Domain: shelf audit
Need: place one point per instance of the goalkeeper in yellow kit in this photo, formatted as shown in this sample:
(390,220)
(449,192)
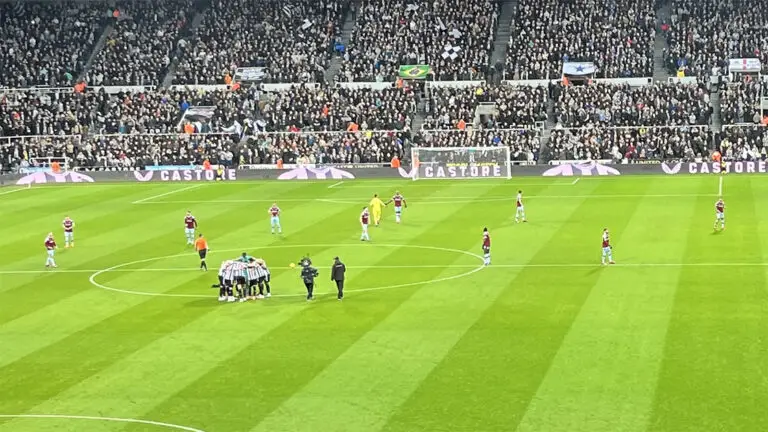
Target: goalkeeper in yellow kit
(376,204)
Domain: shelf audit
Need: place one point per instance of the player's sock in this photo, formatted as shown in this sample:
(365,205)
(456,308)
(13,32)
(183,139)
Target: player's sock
(269,289)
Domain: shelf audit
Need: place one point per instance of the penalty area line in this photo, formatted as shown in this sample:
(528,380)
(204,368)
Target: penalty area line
(336,184)
(13,191)
(576,181)
(103,419)
(144,200)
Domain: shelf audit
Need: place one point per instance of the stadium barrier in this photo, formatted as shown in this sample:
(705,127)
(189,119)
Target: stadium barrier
(342,172)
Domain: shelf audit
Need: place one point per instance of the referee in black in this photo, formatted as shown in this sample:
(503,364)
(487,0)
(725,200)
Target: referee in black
(308,275)
(337,275)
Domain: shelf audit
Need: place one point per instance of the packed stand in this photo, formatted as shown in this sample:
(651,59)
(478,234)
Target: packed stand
(452,108)
(659,104)
(704,35)
(138,51)
(293,40)
(630,145)
(455,40)
(617,36)
(744,143)
(740,102)
(524,144)
(326,108)
(47,43)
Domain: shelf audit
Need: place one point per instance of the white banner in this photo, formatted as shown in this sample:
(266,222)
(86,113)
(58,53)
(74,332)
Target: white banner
(579,68)
(743,65)
(250,74)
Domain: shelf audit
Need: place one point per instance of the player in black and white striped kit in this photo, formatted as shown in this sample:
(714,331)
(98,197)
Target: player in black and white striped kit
(226,279)
(264,277)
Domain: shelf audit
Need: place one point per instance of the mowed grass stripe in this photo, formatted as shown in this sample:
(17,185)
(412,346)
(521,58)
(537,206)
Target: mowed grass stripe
(305,345)
(713,375)
(377,374)
(603,377)
(502,359)
(37,330)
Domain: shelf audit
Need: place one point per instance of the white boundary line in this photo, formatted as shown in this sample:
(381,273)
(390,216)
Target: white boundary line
(455,266)
(429,200)
(97,418)
(576,181)
(144,200)
(13,190)
(720,187)
(92,278)
(335,184)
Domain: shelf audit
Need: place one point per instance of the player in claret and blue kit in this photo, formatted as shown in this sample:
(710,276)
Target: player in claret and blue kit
(720,214)
(190,223)
(607,248)
(69,234)
(274,213)
(50,248)
(520,214)
(486,247)
(399,204)
(364,217)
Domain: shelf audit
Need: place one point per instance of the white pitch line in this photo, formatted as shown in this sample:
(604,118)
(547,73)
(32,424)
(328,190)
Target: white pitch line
(576,181)
(107,419)
(143,201)
(335,184)
(456,266)
(720,187)
(12,191)
(429,200)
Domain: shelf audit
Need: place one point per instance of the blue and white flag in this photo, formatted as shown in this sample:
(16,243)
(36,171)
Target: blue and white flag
(579,68)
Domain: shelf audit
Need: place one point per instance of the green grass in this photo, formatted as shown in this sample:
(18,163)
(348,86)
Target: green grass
(672,338)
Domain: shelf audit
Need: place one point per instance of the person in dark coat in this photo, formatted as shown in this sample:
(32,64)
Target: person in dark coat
(308,275)
(337,275)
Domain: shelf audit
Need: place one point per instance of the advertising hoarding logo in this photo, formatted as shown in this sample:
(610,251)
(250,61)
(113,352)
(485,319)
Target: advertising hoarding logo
(585,169)
(304,173)
(746,167)
(183,175)
(49,177)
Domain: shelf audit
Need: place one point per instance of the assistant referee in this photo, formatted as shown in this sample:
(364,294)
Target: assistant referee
(201,246)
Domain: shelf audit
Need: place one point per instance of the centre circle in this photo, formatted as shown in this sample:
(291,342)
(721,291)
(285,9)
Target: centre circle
(92,278)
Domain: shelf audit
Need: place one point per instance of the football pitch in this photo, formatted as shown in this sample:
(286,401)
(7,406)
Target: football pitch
(127,333)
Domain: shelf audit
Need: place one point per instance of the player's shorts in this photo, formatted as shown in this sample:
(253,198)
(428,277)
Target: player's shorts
(221,280)
(253,282)
(227,283)
(606,250)
(365,227)
(398,210)
(69,235)
(202,253)
(520,209)
(486,249)
(50,252)
(240,280)
(720,216)
(275,220)
(189,231)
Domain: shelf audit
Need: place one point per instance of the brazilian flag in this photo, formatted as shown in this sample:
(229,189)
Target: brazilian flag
(414,71)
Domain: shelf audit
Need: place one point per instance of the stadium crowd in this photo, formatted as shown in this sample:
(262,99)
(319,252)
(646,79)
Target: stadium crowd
(451,107)
(617,36)
(331,108)
(740,102)
(630,144)
(294,41)
(455,41)
(703,35)
(744,143)
(46,43)
(659,104)
(138,50)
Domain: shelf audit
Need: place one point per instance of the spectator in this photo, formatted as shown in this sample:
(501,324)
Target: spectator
(617,36)
(46,43)
(139,49)
(455,41)
(293,41)
(621,105)
(740,102)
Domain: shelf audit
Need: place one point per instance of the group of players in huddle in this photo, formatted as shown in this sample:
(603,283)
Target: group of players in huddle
(239,279)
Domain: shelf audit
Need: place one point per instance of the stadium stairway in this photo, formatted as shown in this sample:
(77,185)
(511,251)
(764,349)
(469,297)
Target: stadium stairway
(96,49)
(503,31)
(346,35)
(185,33)
(714,100)
(660,72)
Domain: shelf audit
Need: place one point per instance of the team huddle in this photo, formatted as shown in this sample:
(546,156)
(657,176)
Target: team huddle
(244,278)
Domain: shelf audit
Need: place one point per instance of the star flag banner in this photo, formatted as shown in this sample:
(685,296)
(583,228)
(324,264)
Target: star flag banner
(744,65)
(579,68)
(414,71)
